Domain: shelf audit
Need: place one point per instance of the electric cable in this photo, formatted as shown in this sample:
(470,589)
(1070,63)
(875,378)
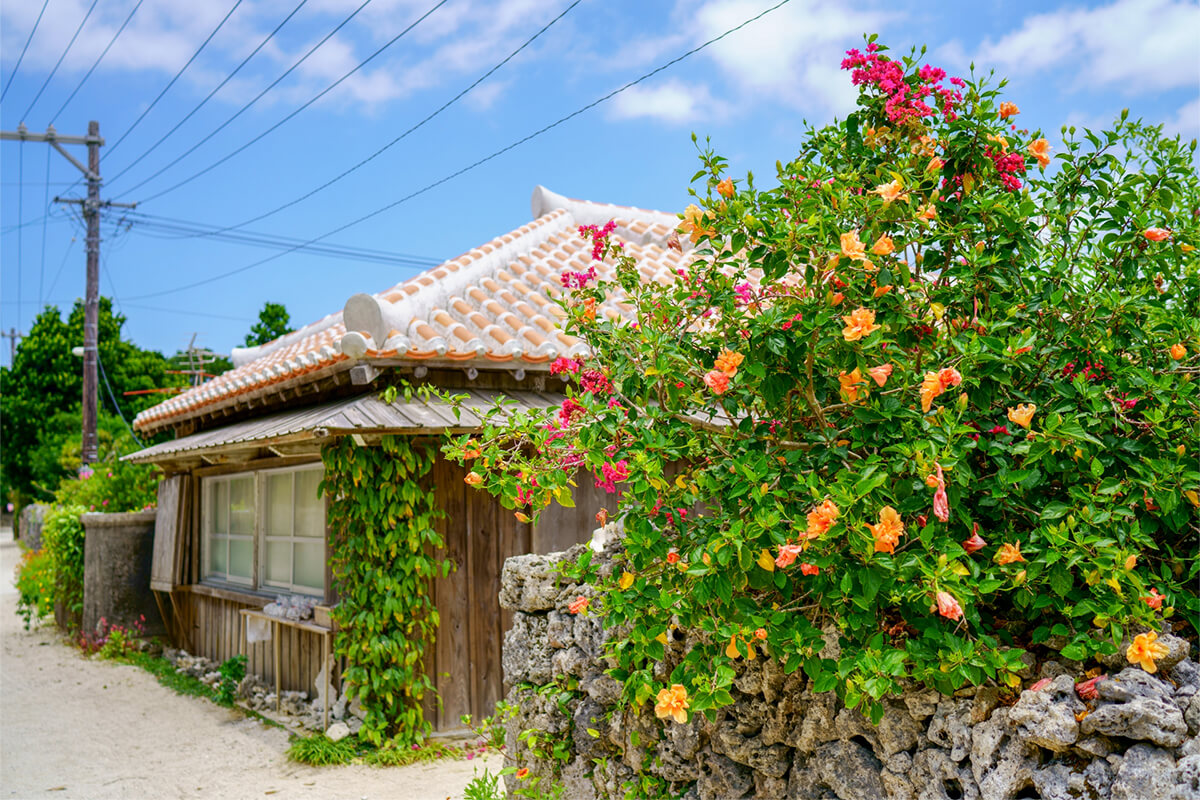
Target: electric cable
(21,57)
(470,167)
(58,64)
(404,135)
(210,95)
(100,58)
(62,264)
(112,148)
(113,398)
(247,106)
(290,116)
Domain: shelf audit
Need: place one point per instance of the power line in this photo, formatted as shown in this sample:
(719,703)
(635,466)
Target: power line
(111,42)
(66,255)
(188,313)
(414,128)
(186,229)
(112,148)
(246,107)
(470,167)
(70,44)
(113,398)
(290,116)
(210,95)
(21,57)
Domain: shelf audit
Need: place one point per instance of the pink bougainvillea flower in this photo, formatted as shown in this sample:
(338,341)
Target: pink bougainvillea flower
(883,246)
(887,531)
(1040,149)
(1008,109)
(888,191)
(948,607)
(1022,414)
(1157,234)
(809,569)
(1009,553)
(578,605)
(717,380)
(941,503)
(1145,651)
(859,323)
(787,555)
(673,703)
(851,247)
(1154,599)
(881,373)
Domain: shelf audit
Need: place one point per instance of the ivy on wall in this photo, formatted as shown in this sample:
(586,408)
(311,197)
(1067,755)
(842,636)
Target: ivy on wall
(385,555)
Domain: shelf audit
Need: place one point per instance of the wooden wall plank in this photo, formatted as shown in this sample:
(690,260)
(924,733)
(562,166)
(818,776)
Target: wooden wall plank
(451,660)
(486,520)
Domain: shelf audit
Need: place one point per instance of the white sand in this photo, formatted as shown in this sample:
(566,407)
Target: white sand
(71,727)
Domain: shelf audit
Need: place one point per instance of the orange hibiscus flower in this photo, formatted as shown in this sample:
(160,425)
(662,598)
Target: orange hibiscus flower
(725,188)
(821,519)
(935,383)
(1145,651)
(1156,234)
(948,607)
(1008,109)
(883,246)
(859,323)
(694,218)
(1040,149)
(852,247)
(881,373)
(673,703)
(888,191)
(578,605)
(717,380)
(1009,553)
(1178,351)
(787,555)
(1022,414)
(887,531)
(728,362)
(854,388)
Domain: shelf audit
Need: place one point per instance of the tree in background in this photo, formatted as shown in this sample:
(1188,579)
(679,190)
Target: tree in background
(273,322)
(39,406)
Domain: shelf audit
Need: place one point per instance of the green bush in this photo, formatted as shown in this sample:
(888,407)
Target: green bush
(109,484)
(35,586)
(62,540)
(935,391)
(232,672)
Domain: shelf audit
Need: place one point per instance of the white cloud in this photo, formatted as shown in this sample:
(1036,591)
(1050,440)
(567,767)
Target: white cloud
(671,101)
(792,54)
(1186,121)
(1134,45)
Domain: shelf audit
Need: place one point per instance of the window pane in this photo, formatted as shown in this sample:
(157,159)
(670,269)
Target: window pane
(279,562)
(216,555)
(310,507)
(310,564)
(279,504)
(241,557)
(220,509)
(241,506)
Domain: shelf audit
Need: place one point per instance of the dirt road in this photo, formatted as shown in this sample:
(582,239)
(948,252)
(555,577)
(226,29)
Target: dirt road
(71,727)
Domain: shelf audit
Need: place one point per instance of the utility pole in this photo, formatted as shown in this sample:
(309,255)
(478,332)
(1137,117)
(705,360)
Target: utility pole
(12,336)
(91,212)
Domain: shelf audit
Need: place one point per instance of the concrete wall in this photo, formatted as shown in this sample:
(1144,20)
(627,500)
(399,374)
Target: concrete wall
(117,554)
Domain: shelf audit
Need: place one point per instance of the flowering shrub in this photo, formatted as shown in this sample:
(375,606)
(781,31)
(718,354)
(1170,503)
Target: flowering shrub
(112,641)
(859,407)
(111,485)
(62,540)
(35,586)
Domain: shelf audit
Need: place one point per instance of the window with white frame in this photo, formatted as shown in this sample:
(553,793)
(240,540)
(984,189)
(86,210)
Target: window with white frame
(266,529)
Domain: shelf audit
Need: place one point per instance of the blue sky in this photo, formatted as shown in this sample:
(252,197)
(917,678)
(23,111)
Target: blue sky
(1068,63)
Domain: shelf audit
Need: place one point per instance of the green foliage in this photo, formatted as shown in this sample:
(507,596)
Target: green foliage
(273,322)
(485,787)
(112,484)
(62,540)
(232,671)
(766,499)
(168,676)
(318,750)
(383,517)
(35,586)
(42,390)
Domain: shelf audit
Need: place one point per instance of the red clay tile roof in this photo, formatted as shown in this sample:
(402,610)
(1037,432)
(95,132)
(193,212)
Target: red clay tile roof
(491,307)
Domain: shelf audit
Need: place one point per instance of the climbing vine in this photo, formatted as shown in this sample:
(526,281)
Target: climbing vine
(384,557)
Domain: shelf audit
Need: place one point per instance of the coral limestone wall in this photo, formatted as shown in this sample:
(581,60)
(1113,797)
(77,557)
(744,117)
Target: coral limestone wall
(1127,736)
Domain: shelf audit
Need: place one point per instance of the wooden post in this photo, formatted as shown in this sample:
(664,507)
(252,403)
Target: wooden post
(275,629)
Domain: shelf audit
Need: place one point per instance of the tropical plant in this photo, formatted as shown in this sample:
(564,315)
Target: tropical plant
(932,397)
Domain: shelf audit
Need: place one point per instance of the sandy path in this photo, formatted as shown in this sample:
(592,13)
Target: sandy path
(76,728)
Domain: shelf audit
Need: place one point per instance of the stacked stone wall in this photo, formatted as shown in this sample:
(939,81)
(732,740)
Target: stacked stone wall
(1136,738)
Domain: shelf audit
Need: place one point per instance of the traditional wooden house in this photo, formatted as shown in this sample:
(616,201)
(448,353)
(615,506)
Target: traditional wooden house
(240,520)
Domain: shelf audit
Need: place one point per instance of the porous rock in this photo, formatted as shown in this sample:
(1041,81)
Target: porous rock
(1145,772)
(1046,717)
(1135,705)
